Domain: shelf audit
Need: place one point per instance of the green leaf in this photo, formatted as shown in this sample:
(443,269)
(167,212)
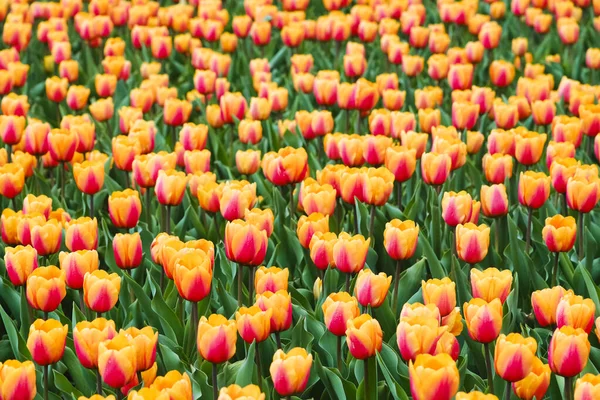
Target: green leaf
(395,389)
(333,382)
(17,342)
(245,374)
(64,385)
(435,267)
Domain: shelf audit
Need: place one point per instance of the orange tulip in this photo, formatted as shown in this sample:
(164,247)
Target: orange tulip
(20,262)
(559,233)
(12,180)
(338,309)
(124,208)
(192,274)
(534,189)
(101,290)
(253,324)
(216,338)
(575,311)
(491,284)
(46,288)
(290,371)
(535,384)
(245,243)
(46,237)
(472,242)
(435,168)
(76,264)
(46,341)
(321,249)
(285,167)
(433,377)
(568,351)
(127,250)
(484,320)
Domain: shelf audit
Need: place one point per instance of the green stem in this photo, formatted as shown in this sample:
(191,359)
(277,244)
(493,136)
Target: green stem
(555,269)
(488,366)
(366,377)
(348,283)
(399,195)
(148,205)
(291,203)
(568,388)
(195,319)
(168,221)
(278,339)
(46,369)
(580,227)
(91,206)
(396,284)
(339,354)
(62,182)
(258,364)
(214,381)
(528,233)
(98,383)
(372,224)
(507,391)
(239,282)
(251,284)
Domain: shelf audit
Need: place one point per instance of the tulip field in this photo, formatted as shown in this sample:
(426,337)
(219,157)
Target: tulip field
(300,199)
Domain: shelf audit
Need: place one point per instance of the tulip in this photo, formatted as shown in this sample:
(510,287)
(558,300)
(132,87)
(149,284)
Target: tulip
(280,303)
(456,207)
(339,308)
(248,392)
(193,275)
(124,149)
(56,88)
(216,338)
(472,242)
(364,337)
(350,148)
(559,234)
(245,244)
(247,161)
(433,377)
(534,190)
(12,180)
(435,168)
(176,112)
(145,341)
(316,198)
(9,221)
(545,303)
(11,128)
(174,384)
(371,289)
(494,200)
(271,279)
(491,284)
(76,264)
(583,192)
(20,262)
(62,144)
(288,166)
(17,380)
(290,371)
(401,161)
(77,97)
(350,254)
(514,356)
(587,387)
(127,250)
(117,360)
(250,131)
(46,237)
(321,249)
(418,335)
(101,290)
(46,341)
(196,161)
(262,219)
(253,324)
(535,384)
(441,293)
(497,167)
(124,208)
(561,170)
(89,177)
(529,147)
(170,187)
(576,312)
(484,319)
(559,151)
(568,351)
(82,234)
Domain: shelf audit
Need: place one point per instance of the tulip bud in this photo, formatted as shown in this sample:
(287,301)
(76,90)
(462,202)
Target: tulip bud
(82,234)
(435,168)
(514,356)
(338,309)
(418,335)
(216,338)
(371,289)
(12,180)
(401,238)
(568,351)
(491,284)
(290,371)
(364,337)
(46,237)
(101,290)
(46,341)
(253,324)
(472,242)
(127,250)
(262,219)
(192,274)
(76,264)
(244,243)
(124,208)
(117,360)
(575,311)
(350,252)
(288,166)
(545,303)
(281,305)
(534,189)
(484,320)
(441,293)
(321,249)
(559,233)
(433,377)
(145,341)
(494,200)
(17,380)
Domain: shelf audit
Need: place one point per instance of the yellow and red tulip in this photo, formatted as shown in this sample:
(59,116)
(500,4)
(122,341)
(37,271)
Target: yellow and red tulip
(433,377)
(290,371)
(568,351)
(101,290)
(253,324)
(472,242)
(244,243)
(17,380)
(216,338)
(46,341)
(491,284)
(484,319)
(280,303)
(338,309)
(76,264)
(117,360)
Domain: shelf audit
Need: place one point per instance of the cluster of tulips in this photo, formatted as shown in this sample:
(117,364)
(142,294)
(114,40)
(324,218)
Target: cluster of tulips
(198,190)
